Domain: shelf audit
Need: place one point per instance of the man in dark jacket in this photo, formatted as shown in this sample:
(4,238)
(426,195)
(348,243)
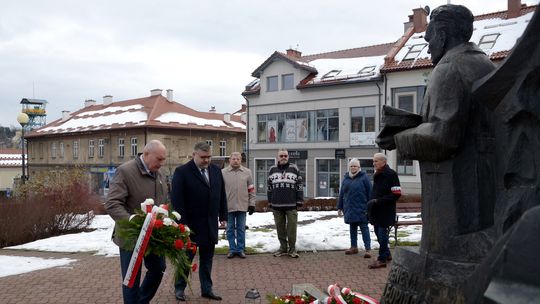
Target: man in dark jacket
(382,206)
(285,194)
(198,194)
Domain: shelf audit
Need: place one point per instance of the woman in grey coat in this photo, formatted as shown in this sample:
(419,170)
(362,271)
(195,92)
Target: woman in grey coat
(353,197)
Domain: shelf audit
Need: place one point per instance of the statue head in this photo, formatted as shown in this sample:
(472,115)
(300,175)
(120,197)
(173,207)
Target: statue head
(449,26)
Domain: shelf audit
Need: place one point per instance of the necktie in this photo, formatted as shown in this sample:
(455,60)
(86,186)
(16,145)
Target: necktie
(203,172)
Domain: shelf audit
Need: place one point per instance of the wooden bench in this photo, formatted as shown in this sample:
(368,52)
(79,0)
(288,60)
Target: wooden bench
(406,207)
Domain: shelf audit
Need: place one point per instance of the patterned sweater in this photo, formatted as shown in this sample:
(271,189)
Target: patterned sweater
(285,188)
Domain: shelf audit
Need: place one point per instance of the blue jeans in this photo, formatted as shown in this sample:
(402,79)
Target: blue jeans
(146,291)
(382,238)
(353,229)
(236,231)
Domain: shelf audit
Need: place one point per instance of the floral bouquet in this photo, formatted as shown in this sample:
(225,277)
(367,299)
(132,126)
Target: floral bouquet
(290,299)
(160,234)
(337,295)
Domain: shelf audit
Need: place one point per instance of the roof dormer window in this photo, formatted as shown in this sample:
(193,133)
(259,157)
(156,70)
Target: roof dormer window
(414,51)
(488,41)
(367,71)
(332,73)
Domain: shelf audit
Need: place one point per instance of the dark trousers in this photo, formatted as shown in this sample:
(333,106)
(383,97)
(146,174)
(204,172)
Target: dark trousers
(382,238)
(146,291)
(206,256)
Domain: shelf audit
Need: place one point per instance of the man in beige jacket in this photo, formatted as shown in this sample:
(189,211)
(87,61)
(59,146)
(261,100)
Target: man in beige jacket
(134,182)
(240,199)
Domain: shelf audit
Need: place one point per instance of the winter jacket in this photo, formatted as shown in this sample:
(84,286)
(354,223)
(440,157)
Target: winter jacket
(131,186)
(239,188)
(353,197)
(386,191)
(285,188)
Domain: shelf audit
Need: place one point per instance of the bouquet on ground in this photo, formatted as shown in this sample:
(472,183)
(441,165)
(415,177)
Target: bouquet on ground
(337,295)
(154,229)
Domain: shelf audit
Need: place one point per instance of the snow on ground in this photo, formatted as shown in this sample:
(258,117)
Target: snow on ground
(319,234)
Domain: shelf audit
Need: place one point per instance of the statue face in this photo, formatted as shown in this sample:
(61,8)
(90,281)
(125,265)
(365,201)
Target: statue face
(436,37)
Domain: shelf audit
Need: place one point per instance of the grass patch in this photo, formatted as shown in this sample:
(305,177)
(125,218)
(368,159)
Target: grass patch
(225,250)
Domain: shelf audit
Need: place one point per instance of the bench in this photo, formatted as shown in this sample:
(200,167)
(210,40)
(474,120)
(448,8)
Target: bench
(406,207)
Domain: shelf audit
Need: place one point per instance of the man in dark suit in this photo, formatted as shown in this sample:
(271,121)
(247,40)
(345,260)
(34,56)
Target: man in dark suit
(198,194)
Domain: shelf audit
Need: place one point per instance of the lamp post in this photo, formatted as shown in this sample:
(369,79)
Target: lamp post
(23,119)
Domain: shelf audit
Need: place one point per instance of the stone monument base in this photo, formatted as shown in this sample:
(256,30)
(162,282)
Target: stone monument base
(418,278)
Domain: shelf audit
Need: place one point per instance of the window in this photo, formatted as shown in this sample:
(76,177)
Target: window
(367,71)
(211,144)
(121,148)
(41,150)
(301,164)
(222,148)
(75,149)
(362,126)
(327,177)
(244,146)
(271,83)
(405,102)
(134,146)
(332,73)
(488,41)
(262,167)
(91,148)
(61,149)
(53,150)
(287,81)
(414,51)
(101,147)
(327,125)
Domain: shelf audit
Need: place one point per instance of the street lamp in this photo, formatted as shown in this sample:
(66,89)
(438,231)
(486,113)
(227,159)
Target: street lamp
(23,119)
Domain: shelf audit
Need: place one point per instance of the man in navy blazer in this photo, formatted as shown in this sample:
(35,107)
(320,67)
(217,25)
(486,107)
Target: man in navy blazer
(198,194)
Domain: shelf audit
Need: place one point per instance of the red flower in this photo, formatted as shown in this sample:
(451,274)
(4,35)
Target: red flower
(182,228)
(298,301)
(194,267)
(178,244)
(357,300)
(158,224)
(165,206)
(194,249)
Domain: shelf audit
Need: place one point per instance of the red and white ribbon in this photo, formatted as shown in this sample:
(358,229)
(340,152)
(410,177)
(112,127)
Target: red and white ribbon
(335,294)
(140,248)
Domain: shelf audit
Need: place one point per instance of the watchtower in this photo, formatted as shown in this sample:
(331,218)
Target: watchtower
(35,109)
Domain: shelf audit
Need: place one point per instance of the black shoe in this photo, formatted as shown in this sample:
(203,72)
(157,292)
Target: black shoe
(211,295)
(180,295)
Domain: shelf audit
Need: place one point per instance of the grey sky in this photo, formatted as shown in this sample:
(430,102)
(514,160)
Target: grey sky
(67,51)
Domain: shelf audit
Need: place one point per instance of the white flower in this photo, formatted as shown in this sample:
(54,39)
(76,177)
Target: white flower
(187,228)
(167,221)
(177,215)
(162,211)
(149,201)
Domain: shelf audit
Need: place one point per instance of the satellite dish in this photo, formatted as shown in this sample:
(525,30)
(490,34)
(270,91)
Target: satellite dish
(427,10)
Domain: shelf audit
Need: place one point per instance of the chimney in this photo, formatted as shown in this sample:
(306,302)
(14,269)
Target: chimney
(294,53)
(227,118)
(170,95)
(107,100)
(514,9)
(65,115)
(212,109)
(244,108)
(89,102)
(155,92)
(419,20)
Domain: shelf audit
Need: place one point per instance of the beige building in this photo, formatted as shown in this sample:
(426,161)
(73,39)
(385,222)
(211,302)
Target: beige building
(10,169)
(100,137)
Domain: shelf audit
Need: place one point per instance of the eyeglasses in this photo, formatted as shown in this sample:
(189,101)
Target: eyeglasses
(283,156)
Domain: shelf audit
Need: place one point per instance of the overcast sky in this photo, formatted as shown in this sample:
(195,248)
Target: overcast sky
(67,51)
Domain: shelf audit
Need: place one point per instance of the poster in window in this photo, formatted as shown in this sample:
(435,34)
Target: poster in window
(290,130)
(301,129)
(272,127)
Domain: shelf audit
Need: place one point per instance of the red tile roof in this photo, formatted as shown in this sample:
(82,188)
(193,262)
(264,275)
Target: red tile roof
(140,113)
(391,65)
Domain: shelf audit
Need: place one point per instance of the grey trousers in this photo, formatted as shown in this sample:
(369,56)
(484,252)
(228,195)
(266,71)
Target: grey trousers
(286,222)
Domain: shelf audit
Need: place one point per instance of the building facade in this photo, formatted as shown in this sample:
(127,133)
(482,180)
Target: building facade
(100,137)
